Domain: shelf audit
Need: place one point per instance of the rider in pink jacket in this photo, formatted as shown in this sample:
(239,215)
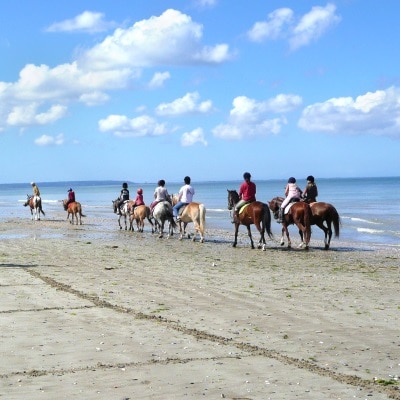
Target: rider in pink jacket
(292,191)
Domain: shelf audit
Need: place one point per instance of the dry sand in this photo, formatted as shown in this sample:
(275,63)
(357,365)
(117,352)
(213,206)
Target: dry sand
(91,312)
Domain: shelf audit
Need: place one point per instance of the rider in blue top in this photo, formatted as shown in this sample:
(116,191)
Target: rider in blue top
(185,196)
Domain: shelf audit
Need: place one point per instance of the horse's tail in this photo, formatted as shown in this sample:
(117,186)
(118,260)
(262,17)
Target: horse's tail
(267,221)
(202,217)
(39,205)
(148,215)
(336,221)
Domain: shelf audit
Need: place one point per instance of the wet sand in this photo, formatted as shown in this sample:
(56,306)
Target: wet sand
(92,312)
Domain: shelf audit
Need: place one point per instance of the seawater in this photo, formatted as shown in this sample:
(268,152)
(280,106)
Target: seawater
(369,208)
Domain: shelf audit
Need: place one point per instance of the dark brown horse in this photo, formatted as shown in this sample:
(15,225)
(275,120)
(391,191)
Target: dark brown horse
(75,209)
(299,214)
(256,213)
(35,204)
(325,212)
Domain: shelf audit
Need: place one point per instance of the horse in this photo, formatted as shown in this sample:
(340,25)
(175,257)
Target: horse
(34,203)
(192,212)
(124,212)
(75,209)
(162,213)
(299,214)
(256,213)
(139,214)
(325,212)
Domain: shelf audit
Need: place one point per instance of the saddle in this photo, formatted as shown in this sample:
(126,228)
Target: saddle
(291,202)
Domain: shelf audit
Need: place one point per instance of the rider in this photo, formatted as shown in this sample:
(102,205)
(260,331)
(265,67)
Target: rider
(247,194)
(139,198)
(311,191)
(292,192)
(185,196)
(71,197)
(160,194)
(124,196)
(35,189)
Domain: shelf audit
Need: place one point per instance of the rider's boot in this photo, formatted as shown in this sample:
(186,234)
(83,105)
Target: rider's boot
(280,216)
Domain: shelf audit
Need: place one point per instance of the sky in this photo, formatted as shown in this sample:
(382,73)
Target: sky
(139,91)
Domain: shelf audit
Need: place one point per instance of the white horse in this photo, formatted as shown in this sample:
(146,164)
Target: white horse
(162,212)
(124,212)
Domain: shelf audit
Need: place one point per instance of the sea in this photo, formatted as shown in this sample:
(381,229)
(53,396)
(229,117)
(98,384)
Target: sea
(369,208)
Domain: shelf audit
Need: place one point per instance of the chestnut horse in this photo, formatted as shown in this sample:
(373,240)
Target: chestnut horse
(192,212)
(325,212)
(139,214)
(34,203)
(256,213)
(299,214)
(75,209)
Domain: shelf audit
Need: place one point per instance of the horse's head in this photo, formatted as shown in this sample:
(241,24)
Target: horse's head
(115,205)
(233,198)
(64,203)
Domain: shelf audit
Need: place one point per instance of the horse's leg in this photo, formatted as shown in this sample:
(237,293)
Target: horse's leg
(161,229)
(261,231)
(236,233)
(250,236)
(126,225)
(286,230)
(119,221)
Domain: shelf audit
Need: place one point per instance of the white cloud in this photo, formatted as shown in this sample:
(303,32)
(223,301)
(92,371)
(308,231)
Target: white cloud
(193,137)
(375,113)
(312,25)
(281,25)
(169,39)
(249,117)
(88,21)
(158,79)
(46,140)
(273,28)
(29,115)
(122,126)
(188,104)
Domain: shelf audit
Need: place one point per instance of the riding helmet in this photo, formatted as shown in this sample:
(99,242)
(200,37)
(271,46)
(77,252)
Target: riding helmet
(246,175)
(292,180)
(69,190)
(33,183)
(161,182)
(187,180)
(140,191)
(310,178)
(125,185)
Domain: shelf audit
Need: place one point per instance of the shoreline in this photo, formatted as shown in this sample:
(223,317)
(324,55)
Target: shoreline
(93,312)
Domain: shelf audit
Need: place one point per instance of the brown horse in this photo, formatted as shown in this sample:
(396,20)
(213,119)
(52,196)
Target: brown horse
(325,212)
(35,204)
(256,213)
(193,212)
(299,214)
(139,214)
(75,209)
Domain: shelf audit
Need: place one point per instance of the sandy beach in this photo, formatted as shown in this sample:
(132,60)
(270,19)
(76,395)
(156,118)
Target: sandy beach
(92,312)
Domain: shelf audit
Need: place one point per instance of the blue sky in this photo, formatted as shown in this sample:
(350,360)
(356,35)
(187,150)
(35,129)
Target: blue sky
(144,90)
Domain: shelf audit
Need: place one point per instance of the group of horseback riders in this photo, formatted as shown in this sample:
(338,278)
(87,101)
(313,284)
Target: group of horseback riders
(247,194)
(185,196)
